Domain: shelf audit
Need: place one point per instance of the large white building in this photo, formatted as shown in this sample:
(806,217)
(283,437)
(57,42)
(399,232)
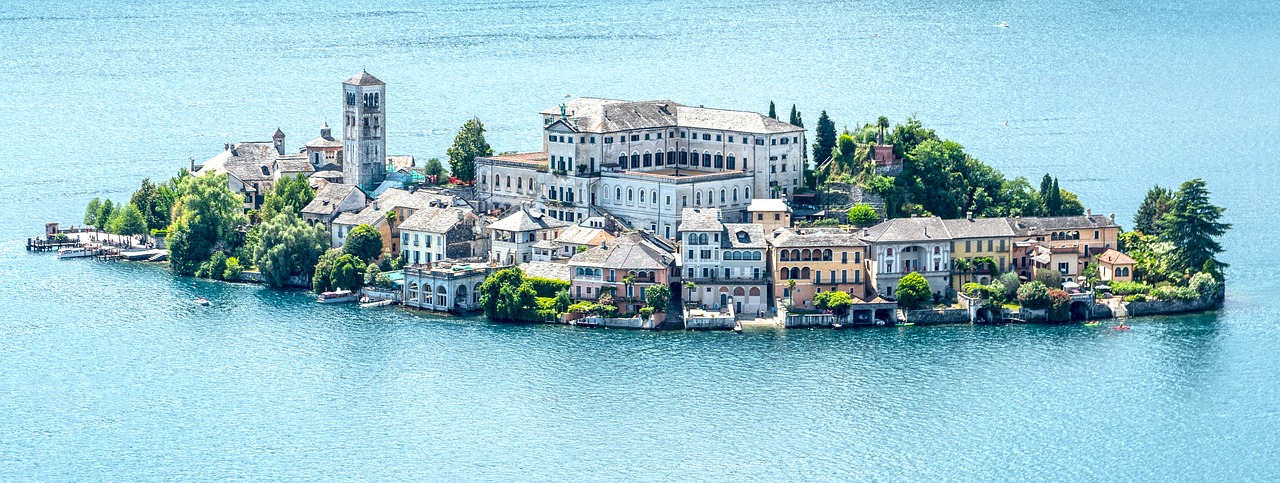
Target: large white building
(727,262)
(643,162)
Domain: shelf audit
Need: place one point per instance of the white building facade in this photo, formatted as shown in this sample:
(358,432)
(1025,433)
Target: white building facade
(645,161)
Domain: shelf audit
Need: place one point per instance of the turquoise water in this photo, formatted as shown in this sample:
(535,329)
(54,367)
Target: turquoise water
(109,372)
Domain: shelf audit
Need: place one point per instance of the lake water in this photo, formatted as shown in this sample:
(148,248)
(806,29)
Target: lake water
(108,372)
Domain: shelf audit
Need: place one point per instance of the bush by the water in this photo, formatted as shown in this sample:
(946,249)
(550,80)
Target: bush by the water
(547,287)
(1136,298)
(1129,288)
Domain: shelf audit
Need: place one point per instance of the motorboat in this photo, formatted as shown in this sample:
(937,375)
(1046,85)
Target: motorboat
(78,252)
(337,297)
(203,302)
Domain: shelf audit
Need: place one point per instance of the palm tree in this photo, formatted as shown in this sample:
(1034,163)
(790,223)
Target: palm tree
(690,286)
(961,266)
(883,124)
(629,281)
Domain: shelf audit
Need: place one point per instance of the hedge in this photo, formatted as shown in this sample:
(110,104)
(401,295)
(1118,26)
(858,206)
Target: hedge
(547,287)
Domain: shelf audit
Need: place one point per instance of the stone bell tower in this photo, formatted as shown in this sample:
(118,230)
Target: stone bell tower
(364,143)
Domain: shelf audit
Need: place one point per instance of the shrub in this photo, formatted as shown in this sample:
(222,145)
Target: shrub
(547,287)
(1034,295)
(1059,305)
(364,242)
(233,270)
(1011,283)
(862,214)
(646,313)
(1204,285)
(913,291)
(656,296)
(1136,298)
(1129,288)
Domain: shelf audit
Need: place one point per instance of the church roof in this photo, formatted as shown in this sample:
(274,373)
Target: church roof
(364,79)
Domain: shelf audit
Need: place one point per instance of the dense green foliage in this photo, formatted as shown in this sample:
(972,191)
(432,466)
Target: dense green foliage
(364,242)
(835,301)
(862,214)
(435,168)
(1050,278)
(206,216)
(547,287)
(127,221)
(1192,225)
(913,291)
(1129,288)
(1059,305)
(1034,295)
(155,201)
(103,220)
(824,141)
(289,195)
(1150,213)
(507,296)
(288,247)
(467,145)
(374,277)
(657,296)
(347,272)
(324,268)
(91,211)
(796,118)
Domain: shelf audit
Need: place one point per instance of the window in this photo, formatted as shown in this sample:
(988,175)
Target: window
(731,163)
(607,139)
(817,274)
(844,276)
(760,216)
(991,245)
(844,257)
(635,137)
(1096,234)
(968,245)
(706,137)
(730,138)
(857,257)
(773,142)
(857,276)
(717,137)
(646,136)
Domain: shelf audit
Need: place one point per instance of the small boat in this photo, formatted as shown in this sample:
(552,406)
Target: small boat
(201,301)
(1092,324)
(337,297)
(77,252)
(837,326)
(1003,25)
(1121,327)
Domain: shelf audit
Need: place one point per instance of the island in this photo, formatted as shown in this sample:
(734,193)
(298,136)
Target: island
(659,215)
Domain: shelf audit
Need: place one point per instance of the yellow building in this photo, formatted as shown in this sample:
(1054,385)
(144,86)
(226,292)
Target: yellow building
(975,238)
(1072,242)
(769,213)
(818,260)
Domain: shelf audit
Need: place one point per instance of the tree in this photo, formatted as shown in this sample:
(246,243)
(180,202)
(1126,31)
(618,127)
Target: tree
(690,286)
(290,194)
(468,144)
(773,111)
(1020,199)
(1069,204)
(795,119)
(154,201)
(657,296)
(1050,278)
(1192,225)
(845,153)
(1091,273)
(1059,305)
(348,272)
(288,247)
(1153,208)
(962,266)
(323,269)
(882,128)
(91,211)
(913,291)
(825,139)
(562,301)
(835,301)
(206,216)
(1052,196)
(434,168)
(862,215)
(127,221)
(364,241)
(1011,284)
(103,221)
(1034,295)
(628,281)
(506,296)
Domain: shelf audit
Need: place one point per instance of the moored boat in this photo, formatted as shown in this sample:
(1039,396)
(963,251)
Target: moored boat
(78,252)
(337,297)
(201,301)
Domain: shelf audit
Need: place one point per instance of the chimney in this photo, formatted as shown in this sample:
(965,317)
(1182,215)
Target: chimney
(1113,217)
(1088,212)
(226,146)
(968,215)
(375,205)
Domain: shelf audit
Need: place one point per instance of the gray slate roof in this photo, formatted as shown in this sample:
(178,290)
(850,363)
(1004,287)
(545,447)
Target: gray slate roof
(815,237)
(551,270)
(248,162)
(755,237)
(524,220)
(328,198)
(907,230)
(607,115)
(1035,225)
(700,219)
(628,251)
(434,220)
(364,79)
(389,200)
(979,227)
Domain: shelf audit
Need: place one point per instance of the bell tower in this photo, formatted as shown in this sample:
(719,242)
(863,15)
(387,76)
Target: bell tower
(364,143)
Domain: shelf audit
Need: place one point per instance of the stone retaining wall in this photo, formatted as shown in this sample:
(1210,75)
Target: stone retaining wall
(937,316)
(1158,307)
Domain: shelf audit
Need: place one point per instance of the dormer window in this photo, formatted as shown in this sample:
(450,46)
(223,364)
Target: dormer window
(743,237)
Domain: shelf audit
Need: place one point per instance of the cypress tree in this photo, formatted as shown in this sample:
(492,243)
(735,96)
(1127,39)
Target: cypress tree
(825,140)
(1054,202)
(773,111)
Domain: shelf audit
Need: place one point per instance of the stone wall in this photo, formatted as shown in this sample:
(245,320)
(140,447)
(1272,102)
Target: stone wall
(709,323)
(809,320)
(1157,307)
(937,316)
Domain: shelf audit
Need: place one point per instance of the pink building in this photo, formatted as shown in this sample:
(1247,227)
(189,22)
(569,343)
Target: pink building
(604,269)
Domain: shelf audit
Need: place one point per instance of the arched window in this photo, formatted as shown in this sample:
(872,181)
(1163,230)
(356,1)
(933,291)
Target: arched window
(684,157)
(697,199)
(519,183)
(755,256)
(711,196)
(746,193)
(702,239)
(735,194)
(654,197)
(826,255)
(783,273)
(795,255)
(648,159)
(888,252)
(719,160)
(722,196)
(635,159)
(937,250)
(804,273)
(622,161)
(805,255)
(684,201)
(795,273)
(730,162)
(754,292)
(617,194)
(657,158)
(706,159)
(785,256)
(631,195)
(508,181)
